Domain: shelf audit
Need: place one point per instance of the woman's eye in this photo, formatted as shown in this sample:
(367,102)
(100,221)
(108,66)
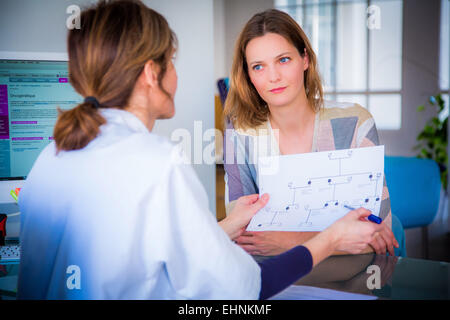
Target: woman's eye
(257,67)
(285,59)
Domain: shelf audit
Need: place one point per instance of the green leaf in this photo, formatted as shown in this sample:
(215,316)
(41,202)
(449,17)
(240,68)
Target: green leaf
(425,153)
(433,139)
(436,121)
(428,130)
(421,136)
(440,101)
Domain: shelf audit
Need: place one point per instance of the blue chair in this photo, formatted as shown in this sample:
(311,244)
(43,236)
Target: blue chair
(223,85)
(414,188)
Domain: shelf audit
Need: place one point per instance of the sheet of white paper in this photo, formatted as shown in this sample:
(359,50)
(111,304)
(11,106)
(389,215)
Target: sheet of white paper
(308,191)
(313,293)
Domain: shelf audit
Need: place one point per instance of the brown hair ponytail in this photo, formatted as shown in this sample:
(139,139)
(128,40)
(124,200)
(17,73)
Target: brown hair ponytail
(75,128)
(106,56)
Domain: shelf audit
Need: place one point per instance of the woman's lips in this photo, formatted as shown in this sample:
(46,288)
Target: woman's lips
(278,90)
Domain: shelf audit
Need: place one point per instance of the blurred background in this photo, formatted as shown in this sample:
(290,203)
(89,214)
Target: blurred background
(390,56)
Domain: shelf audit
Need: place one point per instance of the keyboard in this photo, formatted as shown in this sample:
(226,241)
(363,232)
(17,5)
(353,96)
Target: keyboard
(9,253)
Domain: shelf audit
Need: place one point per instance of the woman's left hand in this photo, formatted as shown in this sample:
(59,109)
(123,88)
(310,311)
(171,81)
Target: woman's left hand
(267,243)
(383,240)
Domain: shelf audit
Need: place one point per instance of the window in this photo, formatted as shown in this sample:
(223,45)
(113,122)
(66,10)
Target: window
(359,48)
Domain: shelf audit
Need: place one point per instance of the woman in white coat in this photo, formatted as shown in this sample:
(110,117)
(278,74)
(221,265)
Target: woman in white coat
(111,211)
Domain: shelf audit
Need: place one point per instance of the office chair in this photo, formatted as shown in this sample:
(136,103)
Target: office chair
(223,85)
(414,188)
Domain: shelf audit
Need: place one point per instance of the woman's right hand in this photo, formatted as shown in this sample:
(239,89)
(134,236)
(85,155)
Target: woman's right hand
(244,210)
(353,232)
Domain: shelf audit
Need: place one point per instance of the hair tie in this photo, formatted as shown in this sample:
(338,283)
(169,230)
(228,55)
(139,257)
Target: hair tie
(93,101)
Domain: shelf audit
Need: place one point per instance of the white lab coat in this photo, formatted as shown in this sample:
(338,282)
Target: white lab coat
(125,218)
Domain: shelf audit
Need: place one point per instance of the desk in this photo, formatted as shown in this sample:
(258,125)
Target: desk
(401,278)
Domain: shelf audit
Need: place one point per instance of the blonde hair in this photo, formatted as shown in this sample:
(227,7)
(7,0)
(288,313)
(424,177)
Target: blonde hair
(244,106)
(106,56)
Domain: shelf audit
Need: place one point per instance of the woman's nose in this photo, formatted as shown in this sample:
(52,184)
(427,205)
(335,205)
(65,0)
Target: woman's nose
(274,75)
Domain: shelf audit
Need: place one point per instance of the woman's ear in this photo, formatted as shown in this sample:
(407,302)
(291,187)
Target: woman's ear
(150,74)
(305,60)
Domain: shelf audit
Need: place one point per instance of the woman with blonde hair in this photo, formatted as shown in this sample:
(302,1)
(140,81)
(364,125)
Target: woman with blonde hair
(276,87)
(127,216)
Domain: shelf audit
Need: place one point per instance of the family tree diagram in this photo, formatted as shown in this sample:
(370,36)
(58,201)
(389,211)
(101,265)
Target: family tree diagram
(308,192)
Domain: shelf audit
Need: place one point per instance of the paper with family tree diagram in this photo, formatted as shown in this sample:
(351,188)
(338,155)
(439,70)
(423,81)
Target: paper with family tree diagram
(309,191)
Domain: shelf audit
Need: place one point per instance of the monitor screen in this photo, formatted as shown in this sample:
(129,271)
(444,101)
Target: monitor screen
(30,93)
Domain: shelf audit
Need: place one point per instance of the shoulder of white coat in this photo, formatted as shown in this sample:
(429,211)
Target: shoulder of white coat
(178,155)
(50,149)
(167,151)
(158,154)
(161,142)
(152,148)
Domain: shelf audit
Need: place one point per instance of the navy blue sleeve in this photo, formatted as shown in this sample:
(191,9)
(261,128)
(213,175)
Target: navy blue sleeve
(281,271)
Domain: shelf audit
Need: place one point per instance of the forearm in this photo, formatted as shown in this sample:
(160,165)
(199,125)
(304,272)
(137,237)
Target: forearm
(368,249)
(229,207)
(229,229)
(302,237)
(298,238)
(321,246)
(280,271)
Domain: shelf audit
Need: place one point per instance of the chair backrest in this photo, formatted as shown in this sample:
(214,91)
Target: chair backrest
(223,85)
(414,188)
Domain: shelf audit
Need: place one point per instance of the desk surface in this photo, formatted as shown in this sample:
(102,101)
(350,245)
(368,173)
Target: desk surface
(400,278)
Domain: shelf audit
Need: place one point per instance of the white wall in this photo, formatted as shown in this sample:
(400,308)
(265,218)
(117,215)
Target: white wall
(220,68)
(30,25)
(192,21)
(230,16)
(420,70)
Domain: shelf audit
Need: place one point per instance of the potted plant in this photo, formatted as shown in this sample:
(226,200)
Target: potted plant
(432,143)
(433,138)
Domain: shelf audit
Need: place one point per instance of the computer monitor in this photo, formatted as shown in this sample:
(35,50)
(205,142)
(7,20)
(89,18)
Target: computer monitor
(32,87)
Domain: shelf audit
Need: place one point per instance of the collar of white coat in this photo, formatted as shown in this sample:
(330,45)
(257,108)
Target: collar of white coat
(125,118)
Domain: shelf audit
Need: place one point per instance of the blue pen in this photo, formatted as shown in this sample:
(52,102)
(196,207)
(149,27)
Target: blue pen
(372,217)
